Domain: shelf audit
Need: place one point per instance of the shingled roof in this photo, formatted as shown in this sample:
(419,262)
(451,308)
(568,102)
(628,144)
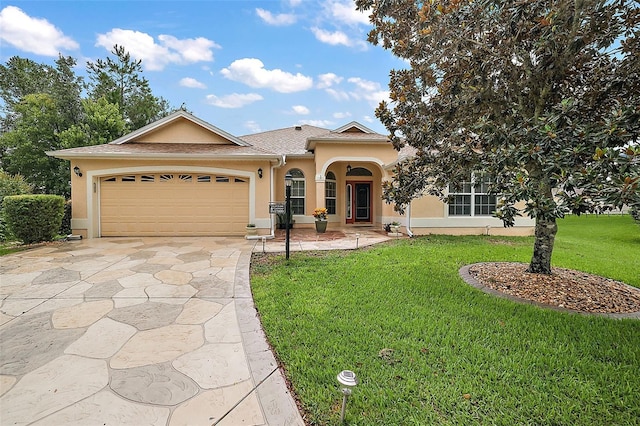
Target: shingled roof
(287,141)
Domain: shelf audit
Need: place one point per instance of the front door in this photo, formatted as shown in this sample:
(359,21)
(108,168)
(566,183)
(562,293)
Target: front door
(358,202)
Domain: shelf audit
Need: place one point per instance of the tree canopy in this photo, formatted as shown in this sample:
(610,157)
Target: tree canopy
(542,96)
(43,109)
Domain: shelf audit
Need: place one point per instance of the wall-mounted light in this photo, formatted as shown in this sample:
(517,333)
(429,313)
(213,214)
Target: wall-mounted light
(260,173)
(346,378)
(77,171)
(348,168)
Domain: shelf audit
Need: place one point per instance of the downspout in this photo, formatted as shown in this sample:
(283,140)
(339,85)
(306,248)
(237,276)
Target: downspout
(272,188)
(408,225)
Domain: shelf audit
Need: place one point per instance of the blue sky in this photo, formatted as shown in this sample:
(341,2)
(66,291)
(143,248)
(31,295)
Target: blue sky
(243,66)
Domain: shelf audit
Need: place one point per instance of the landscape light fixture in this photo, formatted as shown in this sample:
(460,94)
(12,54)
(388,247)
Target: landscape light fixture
(77,171)
(260,173)
(348,379)
(288,181)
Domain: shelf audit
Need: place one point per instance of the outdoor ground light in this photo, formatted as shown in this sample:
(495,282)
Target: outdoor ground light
(357,238)
(77,171)
(346,378)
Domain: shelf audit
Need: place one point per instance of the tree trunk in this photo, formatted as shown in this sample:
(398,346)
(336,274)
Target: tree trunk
(546,229)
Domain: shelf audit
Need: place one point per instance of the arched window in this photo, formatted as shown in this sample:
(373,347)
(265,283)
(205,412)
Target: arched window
(297,191)
(359,171)
(330,192)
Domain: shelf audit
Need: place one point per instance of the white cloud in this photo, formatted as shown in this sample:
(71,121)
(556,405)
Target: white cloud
(294,3)
(338,95)
(300,109)
(370,91)
(341,115)
(252,126)
(251,72)
(347,13)
(338,38)
(328,80)
(281,19)
(368,119)
(332,38)
(234,100)
(317,123)
(32,35)
(192,83)
(155,56)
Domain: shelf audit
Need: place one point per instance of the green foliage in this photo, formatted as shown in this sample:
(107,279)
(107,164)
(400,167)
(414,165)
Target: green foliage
(102,123)
(544,96)
(33,218)
(459,356)
(11,185)
(120,81)
(65,226)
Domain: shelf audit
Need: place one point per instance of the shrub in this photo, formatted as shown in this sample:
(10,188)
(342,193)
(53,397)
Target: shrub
(635,214)
(33,218)
(11,185)
(65,228)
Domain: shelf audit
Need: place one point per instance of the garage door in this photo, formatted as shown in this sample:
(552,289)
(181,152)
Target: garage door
(172,204)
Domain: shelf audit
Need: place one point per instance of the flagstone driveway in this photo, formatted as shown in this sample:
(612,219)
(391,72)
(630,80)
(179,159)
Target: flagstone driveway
(136,331)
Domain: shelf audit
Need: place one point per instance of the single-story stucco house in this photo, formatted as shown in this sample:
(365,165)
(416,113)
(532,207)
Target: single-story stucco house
(181,176)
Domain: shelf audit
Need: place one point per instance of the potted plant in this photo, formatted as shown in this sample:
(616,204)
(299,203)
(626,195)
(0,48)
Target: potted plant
(251,229)
(320,214)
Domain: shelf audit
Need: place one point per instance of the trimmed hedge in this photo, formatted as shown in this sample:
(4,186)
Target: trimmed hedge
(33,218)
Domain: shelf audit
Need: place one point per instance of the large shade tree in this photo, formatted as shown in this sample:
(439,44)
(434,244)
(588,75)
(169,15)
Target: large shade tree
(541,95)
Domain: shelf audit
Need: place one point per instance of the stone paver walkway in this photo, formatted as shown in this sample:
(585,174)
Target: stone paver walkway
(140,331)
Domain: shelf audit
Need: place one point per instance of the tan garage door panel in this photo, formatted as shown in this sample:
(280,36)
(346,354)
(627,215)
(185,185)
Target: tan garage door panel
(173,204)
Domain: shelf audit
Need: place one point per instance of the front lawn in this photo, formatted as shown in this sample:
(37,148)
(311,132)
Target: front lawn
(429,349)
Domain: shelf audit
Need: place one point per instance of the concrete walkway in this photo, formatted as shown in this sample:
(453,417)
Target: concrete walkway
(141,331)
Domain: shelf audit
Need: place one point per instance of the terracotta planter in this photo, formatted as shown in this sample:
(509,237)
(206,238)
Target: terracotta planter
(321,226)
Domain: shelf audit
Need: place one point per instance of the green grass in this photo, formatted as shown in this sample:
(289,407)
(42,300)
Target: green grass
(459,355)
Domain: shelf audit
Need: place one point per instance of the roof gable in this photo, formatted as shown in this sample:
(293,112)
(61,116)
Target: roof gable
(181,128)
(353,127)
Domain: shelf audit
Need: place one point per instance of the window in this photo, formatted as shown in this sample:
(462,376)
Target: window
(128,178)
(204,178)
(147,178)
(330,192)
(473,198)
(297,191)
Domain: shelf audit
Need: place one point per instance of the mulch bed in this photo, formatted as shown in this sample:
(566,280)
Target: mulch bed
(564,288)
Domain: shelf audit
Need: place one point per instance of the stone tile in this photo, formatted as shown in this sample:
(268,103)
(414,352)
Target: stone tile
(30,342)
(94,265)
(13,282)
(81,315)
(164,292)
(227,274)
(142,254)
(196,256)
(5,318)
(130,297)
(204,273)
(157,384)
(197,311)
(52,387)
(138,280)
(165,260)
(17,307)
(58,275)
(261,364)
(105,408)
(53,304)
(42,291)
(248,412)
(192,266)
(147,315)
(104,276)
(209,407)
(32,267)
(158,345)
(223,328)
(75,291)
(102,339)
(214,366)
(103,290)
(277,403)
(125,264)
(211,286)
(6,382)
(173,277)
(149,268)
